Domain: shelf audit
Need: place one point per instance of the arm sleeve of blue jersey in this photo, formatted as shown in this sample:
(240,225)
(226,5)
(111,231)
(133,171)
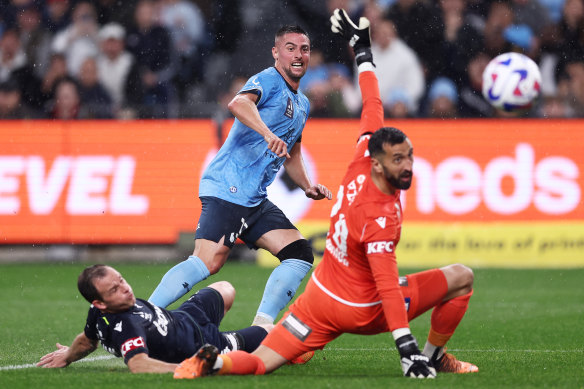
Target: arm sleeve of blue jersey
(260,84)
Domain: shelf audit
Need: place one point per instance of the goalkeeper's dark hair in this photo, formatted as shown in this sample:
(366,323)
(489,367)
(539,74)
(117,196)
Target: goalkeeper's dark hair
(384,135)
(85,282)
(290,29)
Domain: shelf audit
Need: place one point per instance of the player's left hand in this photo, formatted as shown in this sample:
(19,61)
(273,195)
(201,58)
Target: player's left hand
(318,192)
(56,358)
(359,37)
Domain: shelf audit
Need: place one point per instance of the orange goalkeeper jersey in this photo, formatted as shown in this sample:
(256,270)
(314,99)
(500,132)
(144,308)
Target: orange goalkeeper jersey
(359,264)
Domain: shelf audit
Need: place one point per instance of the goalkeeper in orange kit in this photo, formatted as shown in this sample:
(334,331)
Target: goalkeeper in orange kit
(356,287)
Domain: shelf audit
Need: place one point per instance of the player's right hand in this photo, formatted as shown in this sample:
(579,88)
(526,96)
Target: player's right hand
(358,36)
(414,363)
(56,358)
(277,145)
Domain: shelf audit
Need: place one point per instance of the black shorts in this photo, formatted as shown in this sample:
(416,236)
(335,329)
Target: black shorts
(220,218)
(206,308)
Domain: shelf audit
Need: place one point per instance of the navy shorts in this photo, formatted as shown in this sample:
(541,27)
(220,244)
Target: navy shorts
(220,218)
(206,308)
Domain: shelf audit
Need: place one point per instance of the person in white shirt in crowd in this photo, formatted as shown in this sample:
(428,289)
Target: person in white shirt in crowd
(79,40)
(114,63)
(398,65)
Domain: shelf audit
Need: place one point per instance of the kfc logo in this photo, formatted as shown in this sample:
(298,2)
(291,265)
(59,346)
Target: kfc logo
(380,247)
(132,344)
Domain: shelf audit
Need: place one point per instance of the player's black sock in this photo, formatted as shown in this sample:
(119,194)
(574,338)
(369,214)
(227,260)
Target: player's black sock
(246,339)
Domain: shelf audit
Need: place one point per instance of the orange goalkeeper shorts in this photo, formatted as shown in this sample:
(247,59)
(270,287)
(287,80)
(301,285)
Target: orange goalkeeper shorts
(315,319)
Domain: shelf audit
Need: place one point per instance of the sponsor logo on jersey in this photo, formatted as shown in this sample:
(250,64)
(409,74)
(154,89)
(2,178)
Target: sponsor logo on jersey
(118,327)
(132,344)
(380,247)
(289,109)
(381,221)
(233,189)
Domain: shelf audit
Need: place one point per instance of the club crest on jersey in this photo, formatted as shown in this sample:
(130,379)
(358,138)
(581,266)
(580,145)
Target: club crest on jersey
(289,109)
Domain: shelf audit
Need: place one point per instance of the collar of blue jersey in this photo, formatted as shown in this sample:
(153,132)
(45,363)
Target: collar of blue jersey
(288,85)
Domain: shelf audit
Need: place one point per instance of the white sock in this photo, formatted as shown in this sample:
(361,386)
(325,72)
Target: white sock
(262,318)
(218,363)
(430,350)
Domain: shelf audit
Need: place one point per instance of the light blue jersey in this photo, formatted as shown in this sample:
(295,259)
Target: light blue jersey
(244,167)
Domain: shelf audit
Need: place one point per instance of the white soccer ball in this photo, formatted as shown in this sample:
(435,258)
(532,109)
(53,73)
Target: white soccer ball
(511,82)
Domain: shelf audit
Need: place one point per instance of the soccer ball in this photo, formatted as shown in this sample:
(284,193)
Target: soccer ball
(511,82)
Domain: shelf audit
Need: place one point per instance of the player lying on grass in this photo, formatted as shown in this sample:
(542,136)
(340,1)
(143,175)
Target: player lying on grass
(356,287)
(149,338)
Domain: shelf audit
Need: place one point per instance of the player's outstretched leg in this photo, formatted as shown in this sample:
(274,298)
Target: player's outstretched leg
(178,281)
(208,361)
(199,365)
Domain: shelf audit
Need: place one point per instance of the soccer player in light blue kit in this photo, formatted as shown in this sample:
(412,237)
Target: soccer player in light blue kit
(270,114)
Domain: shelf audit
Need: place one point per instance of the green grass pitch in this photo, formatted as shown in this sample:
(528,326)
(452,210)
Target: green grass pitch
(524,328)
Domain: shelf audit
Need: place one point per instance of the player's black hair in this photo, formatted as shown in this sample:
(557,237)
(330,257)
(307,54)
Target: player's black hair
(290,29)
(389,135)
(85,282)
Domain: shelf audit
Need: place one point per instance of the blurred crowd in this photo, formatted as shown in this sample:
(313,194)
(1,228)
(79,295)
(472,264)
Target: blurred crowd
(125,59)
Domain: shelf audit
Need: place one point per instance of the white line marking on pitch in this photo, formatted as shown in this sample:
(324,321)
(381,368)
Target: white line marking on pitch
(461,350)
(29,365)
(103,357)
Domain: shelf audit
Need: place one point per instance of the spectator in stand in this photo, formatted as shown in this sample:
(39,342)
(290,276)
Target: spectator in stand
(79,40)
(57,15)
(57,69)
(190,39)
(14,66)
(573,86)
(442,99)
(149,90)
(11,104)
(115,11)
(9,10)
(396,104)
(500,17)
(554,107)
(419,24)
(554,9)
(114,63)
(34,38)
(572,31)
(12,56)
(400,64)
(461,40)
(532,14)
(96,102)
(326,96)
(471,102)
(66,103)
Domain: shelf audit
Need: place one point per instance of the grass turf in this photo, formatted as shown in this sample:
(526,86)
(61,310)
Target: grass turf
(523,329)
